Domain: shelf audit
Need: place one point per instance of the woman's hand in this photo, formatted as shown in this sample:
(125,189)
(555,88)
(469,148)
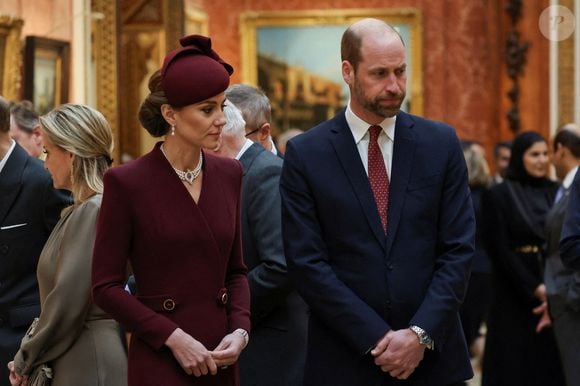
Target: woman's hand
(15,378)
(192,356)
(545,320)
(227,352)
(540,293)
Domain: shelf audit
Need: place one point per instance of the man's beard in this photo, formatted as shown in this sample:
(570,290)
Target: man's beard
(374,105)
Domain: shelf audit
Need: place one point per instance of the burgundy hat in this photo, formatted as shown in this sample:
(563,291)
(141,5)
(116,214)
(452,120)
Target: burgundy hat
(194,72)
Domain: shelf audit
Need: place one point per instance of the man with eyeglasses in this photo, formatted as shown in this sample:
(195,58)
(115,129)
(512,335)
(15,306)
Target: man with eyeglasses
(257,112)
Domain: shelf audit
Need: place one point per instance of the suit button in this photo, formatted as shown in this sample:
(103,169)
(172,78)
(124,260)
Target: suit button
(390,267)
(4,249)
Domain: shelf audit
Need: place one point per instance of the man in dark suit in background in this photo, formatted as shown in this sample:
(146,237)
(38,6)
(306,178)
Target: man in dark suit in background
(379,230)
(563,284)
(257,112)
(276,352)
(29,209)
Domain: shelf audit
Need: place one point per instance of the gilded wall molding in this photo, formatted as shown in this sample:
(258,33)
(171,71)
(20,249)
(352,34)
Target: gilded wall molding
(105,30)
(11,56)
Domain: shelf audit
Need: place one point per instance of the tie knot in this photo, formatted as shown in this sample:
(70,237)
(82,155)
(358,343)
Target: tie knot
(374,132)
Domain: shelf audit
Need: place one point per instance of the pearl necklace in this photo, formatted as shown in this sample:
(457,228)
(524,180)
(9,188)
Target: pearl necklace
(189,175)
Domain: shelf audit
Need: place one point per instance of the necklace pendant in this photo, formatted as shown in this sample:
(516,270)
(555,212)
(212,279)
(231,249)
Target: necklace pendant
(189,176)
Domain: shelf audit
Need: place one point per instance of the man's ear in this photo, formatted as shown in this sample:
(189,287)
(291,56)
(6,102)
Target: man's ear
(347,72)
(264,133)
(37,135)
(168,114)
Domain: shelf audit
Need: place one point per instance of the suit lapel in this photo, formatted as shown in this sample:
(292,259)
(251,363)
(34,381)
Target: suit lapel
(403,154)
(11,179)
(349,158)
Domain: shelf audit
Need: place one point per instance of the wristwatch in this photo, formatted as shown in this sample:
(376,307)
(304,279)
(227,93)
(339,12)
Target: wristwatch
(424,338)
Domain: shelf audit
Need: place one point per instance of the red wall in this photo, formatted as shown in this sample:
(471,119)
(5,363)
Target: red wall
(464,74)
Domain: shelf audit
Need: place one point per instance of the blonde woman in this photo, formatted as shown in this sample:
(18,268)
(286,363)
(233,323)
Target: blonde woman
(75,338)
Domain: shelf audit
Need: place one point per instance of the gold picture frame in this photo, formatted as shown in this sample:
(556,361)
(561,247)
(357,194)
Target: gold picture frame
(10,56)
(295,58)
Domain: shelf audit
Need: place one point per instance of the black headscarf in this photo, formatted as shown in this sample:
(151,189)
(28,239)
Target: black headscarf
(534,195)
(516,170)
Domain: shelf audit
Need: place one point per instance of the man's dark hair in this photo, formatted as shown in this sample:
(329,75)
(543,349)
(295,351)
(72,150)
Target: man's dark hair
(500,145)
(24,115)
(570,140)
(4,115)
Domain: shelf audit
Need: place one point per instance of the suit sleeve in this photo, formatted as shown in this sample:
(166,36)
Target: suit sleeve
(454,250)
(66,305)
(110,259)
(236,279)
(308,263)
(570,240)
(269,282)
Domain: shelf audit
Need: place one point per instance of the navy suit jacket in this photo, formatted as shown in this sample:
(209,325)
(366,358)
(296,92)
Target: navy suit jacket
(29,209)
(358,282)
(570,241)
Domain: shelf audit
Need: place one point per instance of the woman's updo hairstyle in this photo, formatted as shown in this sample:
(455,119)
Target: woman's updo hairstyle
(84,132)
(150,112)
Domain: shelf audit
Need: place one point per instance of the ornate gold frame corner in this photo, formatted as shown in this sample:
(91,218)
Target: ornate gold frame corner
(10,30)
(252,20)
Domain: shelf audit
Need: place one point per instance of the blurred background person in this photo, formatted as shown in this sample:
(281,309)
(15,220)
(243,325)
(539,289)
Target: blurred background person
(520,347)
(277,349)
(257,112)
(285,137)
(29,209)
(501,158)
(74,337)
(190,315)
(25,127)
(562,283)
(473,312)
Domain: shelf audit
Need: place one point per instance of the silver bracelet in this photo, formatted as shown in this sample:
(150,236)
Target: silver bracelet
(244,334)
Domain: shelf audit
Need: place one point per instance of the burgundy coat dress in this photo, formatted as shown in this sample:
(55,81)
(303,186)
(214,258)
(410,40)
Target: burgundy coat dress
(186,258)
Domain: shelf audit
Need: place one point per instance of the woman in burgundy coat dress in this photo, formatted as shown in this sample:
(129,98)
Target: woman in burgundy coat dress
(173,214)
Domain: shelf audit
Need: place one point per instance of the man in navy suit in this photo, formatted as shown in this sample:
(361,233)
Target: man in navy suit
(276,352)
(29,209)
(570,241)
(379,230)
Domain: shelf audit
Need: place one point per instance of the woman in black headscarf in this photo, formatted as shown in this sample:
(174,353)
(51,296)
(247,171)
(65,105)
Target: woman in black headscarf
(520,345)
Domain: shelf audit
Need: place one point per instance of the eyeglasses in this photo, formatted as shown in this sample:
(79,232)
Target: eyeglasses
(254,131)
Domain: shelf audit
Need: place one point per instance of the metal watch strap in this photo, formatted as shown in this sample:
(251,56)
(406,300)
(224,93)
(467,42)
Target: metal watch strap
(424,338)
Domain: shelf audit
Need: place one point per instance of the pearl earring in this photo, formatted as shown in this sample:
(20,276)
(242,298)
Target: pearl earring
(172,129)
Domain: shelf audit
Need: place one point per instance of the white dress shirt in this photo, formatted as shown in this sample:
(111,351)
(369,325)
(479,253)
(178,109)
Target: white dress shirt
(5,159)
(360,133)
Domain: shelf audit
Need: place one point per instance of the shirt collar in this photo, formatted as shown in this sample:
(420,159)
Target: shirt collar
(246,146)
(359,127)
(569,178)
(4,160)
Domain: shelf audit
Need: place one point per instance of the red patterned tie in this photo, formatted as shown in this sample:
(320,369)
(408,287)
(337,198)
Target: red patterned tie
(378,177)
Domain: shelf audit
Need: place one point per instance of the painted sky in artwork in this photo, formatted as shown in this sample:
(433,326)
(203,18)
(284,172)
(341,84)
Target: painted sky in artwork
(315,48)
